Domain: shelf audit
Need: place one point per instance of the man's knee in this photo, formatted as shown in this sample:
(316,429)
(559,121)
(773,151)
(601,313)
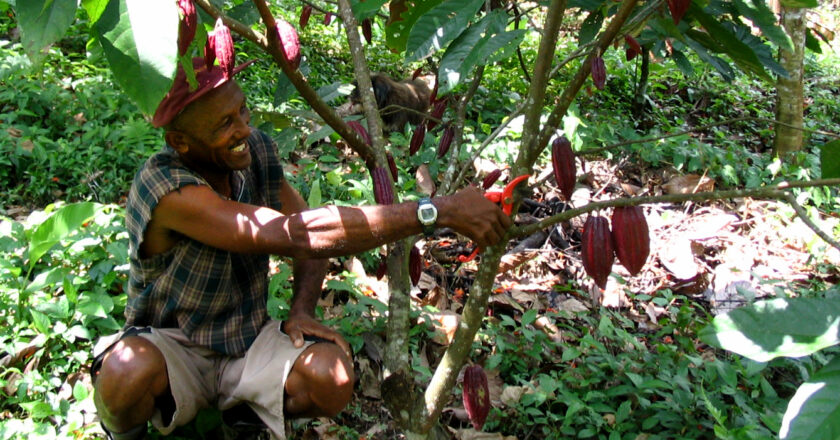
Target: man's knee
(133,373)
(321,381)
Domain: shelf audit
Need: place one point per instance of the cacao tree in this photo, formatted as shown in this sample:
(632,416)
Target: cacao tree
(140,40)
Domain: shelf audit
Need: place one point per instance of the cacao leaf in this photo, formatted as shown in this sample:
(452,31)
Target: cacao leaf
(630,237)
(403,15)
(476,395)
(438,27)
(42,23)
(597,252)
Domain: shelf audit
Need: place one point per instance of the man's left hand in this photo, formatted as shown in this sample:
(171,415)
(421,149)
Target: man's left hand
(298,325)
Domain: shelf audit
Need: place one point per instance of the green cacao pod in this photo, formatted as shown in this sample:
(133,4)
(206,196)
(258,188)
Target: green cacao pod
(476,395)
(563,164)
(597,251)
(631,237)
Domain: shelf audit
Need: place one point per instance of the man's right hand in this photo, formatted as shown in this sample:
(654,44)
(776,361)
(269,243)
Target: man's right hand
(470,214)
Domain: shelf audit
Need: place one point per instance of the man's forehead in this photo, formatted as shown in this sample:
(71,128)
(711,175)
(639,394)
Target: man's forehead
(210,105)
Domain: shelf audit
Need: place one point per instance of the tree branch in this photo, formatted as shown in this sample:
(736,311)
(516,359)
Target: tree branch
(807,220)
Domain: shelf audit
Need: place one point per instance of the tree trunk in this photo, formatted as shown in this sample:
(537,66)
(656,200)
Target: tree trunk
(789,91)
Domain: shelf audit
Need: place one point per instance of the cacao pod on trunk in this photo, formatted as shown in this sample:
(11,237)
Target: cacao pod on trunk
(417,139)
(304,16)
(597,251)
(417,72)
(563,163)
(437,113)
(433,95)
(491,178)
(382,269)
(288,37)
(392,165)
(382,191)
(360,129)
(631,237)
(476,395)
(415,265)
(187,26)
(445,141)
(328,18)
(599,73)
(367,30)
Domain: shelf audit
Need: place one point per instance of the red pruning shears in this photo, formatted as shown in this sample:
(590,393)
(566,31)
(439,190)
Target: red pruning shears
(505,197)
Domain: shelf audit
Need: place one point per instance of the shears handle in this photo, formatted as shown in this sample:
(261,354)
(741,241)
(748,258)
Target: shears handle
(505,198)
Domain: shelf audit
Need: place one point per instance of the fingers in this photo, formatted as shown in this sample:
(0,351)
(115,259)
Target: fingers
(297,329)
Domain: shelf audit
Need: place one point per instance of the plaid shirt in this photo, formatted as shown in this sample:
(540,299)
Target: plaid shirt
(217,298)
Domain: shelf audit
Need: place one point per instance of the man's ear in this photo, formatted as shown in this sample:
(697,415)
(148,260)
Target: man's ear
(180,142)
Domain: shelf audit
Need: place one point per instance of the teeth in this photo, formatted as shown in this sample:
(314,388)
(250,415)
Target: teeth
(238,148)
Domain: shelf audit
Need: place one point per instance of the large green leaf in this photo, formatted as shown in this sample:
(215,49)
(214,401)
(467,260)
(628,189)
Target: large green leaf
(830,160)
(442,24)
(814,411)
(365,8)
(718,38)
(402,20)
(778,327)
(94,9)
(590,27)
(718,63)
(140,41)
(43,22)
(64,221)
(762,50)
(811,42)
(761,15)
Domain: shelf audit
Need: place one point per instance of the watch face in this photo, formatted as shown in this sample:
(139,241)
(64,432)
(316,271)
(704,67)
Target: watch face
(427,214)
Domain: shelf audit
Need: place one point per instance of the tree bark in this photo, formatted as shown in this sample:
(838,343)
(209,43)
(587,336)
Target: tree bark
(789,91)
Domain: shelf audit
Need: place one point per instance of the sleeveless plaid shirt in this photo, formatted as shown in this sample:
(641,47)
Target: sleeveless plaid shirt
(217,298)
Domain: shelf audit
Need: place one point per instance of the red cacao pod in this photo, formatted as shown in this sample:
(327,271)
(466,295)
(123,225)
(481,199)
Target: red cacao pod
(288,37)
(633,47)
(563,163)
(392,165)
(222,48)
(367,30)
(417,72)
(599,73)
(417,139)
(382,269)
(304,16)
(491,178)
(433,95)
(360,129)
(415,265)
(630,237)
(445,141)
(382,191)
(678,9)
(187,25)
(437,113)
(597,250)
(476,395)
(328,18)
(210,49)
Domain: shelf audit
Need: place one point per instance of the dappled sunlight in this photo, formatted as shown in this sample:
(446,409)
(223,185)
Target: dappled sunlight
(803,394)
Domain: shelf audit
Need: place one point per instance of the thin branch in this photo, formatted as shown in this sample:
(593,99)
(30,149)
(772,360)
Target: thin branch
(460,117)
(807,220)
(269,44)
(770,192)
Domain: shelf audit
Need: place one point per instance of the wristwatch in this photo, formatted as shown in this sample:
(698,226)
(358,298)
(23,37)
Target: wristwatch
(427,214)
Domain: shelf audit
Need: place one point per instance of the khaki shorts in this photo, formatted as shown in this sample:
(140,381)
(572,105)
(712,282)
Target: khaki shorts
(202,378)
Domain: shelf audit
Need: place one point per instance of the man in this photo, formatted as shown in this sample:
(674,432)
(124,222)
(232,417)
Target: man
(203,215)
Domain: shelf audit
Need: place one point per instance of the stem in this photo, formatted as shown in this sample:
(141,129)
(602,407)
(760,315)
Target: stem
(771,192)
(807,220)
(460,117)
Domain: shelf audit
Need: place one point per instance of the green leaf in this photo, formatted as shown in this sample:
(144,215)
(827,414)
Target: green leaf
(140,42)
(400,23)
(683,63)
(94,9)
(529,317)
(80,391)
(778,327)
(366,8)
(800,3)
(460,56)
(590,27)
(59,225)
(315,194)
(814,411)
(761,16)
(442,24)
(40,321)
(718,38)
(719,64)
(811,42)
(830,159)
(43,22)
